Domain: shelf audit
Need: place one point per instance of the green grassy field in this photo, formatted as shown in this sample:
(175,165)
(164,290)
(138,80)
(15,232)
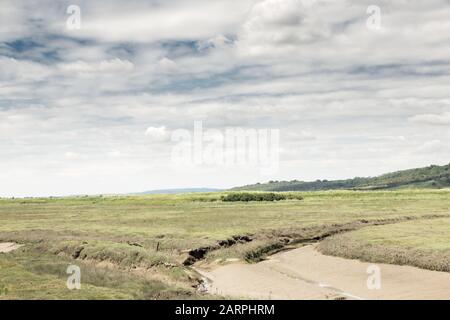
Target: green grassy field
(421,243)
(135,247)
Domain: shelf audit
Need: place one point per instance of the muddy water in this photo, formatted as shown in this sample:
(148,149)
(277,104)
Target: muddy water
(305,273)
(6,247)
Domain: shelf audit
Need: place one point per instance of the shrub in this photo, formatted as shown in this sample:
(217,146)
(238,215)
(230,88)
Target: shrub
(246,197)
(294,196)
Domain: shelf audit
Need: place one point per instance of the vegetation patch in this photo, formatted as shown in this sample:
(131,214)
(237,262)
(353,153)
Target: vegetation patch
(258,196)
(420,243)
(34,275)
(148,238)
(429,177)
(199,253)
(122,254)
(278,240)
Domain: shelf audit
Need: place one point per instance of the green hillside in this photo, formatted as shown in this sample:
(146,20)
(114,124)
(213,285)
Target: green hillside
(428,177)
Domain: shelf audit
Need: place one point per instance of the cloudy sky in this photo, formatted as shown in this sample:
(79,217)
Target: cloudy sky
(92,110)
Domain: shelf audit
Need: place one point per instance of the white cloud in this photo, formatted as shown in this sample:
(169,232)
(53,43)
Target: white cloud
(20,70)
(168,20)
(12,20)
(106,66)
(167,65)
(157,133)
(347,101)
(434,147)
(432,119)
(114,153)
(71,155)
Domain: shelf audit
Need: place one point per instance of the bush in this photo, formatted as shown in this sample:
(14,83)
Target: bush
(294,196)
(246,197)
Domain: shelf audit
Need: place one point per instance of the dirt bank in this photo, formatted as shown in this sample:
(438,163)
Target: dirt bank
(305,273)
(6,247)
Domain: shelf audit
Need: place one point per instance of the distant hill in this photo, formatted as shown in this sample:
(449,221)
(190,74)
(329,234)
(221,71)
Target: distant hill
(428,177)
(175,191)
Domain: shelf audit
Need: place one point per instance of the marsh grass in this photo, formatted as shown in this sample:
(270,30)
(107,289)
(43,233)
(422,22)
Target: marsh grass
(421,243)
(153,233)
(46,274)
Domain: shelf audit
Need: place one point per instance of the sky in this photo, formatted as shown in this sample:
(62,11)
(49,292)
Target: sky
(90,103)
